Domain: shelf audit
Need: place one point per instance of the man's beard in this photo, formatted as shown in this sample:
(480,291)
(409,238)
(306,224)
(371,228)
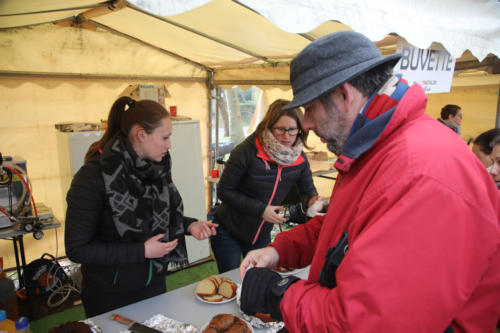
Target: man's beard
(335,146)
(335,131)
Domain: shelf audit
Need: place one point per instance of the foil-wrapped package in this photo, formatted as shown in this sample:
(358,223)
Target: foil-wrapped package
(168,325)
(270,327)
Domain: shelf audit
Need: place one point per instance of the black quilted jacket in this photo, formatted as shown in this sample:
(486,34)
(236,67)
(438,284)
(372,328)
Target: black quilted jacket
(246,186)
(108,262)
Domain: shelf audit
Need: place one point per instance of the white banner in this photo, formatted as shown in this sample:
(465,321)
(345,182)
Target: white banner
(432,69)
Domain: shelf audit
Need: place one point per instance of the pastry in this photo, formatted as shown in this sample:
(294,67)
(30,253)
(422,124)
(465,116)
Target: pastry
(265,317)
(239,326)
(206,287)
(210,330)
(214,288)
(227,288)
(221,322)
(214,298)
(226,323)
(72,327)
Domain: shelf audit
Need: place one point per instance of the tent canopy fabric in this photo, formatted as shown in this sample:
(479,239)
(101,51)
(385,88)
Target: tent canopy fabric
(68,61)
(247,41)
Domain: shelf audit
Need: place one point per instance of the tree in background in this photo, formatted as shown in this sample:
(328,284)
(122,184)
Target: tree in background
(236,108)
(236,124)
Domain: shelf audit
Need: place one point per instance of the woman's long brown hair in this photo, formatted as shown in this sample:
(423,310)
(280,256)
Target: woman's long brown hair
(125,113)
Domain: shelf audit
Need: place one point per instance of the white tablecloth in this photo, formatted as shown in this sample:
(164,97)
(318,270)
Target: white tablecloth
(180,304)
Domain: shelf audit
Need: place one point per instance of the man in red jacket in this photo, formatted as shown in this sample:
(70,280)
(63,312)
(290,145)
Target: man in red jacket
(411,238)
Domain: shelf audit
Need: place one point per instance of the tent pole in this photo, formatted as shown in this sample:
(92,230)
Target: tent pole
(253,82)
(213,153)
(213,110)
(66,75)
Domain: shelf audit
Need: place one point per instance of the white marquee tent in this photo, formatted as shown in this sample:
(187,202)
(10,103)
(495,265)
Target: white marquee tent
(246,41)
(69,60)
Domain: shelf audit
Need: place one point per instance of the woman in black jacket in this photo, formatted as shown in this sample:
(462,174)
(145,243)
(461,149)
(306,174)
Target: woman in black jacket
(258,175)
(124,221)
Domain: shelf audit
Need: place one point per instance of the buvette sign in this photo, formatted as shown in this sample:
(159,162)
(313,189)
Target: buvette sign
(432,69)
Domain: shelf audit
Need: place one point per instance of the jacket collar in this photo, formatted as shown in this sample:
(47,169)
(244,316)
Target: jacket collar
(410,103)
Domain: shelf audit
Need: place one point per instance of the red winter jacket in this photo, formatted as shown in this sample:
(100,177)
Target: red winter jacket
(422,216)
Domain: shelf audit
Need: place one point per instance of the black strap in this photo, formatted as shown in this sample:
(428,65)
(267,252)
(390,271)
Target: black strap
(334,257)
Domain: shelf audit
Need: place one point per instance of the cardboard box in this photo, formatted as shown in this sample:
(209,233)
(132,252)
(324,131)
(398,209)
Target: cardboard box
(154,92)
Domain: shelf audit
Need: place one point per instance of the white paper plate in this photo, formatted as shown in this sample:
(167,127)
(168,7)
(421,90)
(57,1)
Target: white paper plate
(249,326)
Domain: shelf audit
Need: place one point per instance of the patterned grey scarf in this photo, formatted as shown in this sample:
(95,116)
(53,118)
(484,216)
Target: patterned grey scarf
(279,153)
(143,199)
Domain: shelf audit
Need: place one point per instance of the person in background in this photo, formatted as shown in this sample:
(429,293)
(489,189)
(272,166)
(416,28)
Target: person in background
(257,176)
(451,116)
(124,221)
(481,146)
(411,239)
(494,169)
(484,148)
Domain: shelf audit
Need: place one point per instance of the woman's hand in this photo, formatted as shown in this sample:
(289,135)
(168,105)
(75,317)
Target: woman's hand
(154,248)
(271,216)
(202,229)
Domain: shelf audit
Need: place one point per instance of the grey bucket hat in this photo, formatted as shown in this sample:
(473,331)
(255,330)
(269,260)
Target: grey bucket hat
(330,61)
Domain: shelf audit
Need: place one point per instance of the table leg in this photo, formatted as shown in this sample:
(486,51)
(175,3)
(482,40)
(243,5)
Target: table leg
(21,248)
(18,265)
(22,282)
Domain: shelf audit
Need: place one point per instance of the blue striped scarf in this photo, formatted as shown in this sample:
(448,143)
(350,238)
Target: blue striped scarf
(372,121)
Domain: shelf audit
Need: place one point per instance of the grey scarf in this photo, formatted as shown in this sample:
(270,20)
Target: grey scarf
(143,199)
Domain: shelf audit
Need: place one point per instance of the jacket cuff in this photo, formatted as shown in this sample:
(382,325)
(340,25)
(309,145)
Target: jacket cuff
(261,210)
(187,222)
(281,248)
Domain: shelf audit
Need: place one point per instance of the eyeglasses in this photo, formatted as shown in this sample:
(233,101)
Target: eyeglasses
(281,131)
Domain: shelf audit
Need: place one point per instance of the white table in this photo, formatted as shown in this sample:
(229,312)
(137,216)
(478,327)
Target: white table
(179,304)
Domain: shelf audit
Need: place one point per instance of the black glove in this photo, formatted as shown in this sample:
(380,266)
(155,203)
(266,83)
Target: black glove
(262,291)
